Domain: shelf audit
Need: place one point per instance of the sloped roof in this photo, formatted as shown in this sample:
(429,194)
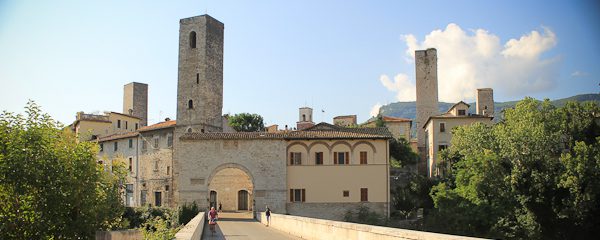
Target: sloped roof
(117,136)
(160,125)
(319,131)
(396,119)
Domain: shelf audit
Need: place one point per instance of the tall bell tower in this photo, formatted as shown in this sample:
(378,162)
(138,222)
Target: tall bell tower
(200,75)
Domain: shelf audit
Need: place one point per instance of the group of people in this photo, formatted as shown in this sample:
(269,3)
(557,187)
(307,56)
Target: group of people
(213,215)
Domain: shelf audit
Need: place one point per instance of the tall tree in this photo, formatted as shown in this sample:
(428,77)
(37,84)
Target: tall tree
(246,122)
(534,175)
(50,184)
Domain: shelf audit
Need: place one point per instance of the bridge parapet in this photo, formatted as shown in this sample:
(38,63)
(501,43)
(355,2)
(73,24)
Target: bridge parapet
(313,228)
(193,229)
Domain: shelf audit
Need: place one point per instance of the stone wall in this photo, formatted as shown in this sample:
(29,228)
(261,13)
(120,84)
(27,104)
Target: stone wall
(332,211)
(156,168)
(133,234)
(312,228)
(427,89)
(135,97)
(197,162)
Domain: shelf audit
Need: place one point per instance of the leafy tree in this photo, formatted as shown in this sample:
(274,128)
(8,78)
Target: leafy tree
(246,122)
(534,175)
(401,153)
(50,184)
(412,196)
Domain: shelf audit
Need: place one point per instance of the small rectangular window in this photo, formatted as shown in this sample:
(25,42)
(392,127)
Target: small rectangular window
(157,199)
(155,145)
(297,195)
(346,193)
(116,146)
(169,140)
(295,158)
(363,157)
(197,78)
(341,158)
(144,145)
(136,126)
(319,158)
(118,123)
(442,147)
(442,127)
(167,188)
(364,194)
(168,170)
(126,125)
(130,143)
(462,112)
(143,195)
(130,165)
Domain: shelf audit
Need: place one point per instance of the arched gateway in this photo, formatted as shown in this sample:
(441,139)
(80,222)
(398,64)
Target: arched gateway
(243,172)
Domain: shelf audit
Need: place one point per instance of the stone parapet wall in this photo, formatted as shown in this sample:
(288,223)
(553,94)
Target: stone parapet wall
(193,229)
(333,211)
(312,228)
(132,234)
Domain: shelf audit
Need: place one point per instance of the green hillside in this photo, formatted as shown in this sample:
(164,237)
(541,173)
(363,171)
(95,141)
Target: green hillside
(409,109)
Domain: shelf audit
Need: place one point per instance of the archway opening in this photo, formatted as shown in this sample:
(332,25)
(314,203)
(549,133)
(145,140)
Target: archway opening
(232,189)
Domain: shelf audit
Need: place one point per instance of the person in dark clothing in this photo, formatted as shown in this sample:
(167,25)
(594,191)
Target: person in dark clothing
(268,213)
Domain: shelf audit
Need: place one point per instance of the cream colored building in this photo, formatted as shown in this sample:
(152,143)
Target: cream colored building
(92,126)
(399,127)
(438,133)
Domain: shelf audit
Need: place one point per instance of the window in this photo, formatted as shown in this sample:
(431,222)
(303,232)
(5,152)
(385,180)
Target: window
(168,170)
(189,129)
(144,146)
(167,188)
(157,199)
(462,112)
(190,104)
(126,125)
(364,194)
(169,140)
(118,123)
(155,144)
(136,126)
(363,157)
(346,193)
(295,158)
(129,195)
(130,143)
(143,194)
(197,78)
(156,165)
(116,146)
(341,158)
(304,117)
(202,130)
(101,147)
(442,127)
(297,195)
(319,158)
(130,164)
(193,39)
(442,147)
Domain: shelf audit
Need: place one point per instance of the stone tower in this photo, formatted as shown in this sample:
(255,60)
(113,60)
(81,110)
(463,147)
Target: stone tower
(485,102)
(427,91)
(135,101)
(200,74)
(304,118)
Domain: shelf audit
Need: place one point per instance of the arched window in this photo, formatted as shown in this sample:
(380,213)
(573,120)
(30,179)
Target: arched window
(193,39)
(190,104)
(304,117)
(189,130)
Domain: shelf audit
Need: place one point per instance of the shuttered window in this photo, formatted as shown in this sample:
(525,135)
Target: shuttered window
(295,158)
(319,158)
(363,157)
(341,158)
(297,195)
(364,194)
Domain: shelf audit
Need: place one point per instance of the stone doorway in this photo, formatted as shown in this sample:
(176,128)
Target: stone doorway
(232,188)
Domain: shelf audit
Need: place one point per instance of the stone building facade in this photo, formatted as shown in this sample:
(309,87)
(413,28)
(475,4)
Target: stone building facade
(320,171)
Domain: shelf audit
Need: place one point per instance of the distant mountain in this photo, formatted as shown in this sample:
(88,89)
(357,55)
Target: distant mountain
(409,109)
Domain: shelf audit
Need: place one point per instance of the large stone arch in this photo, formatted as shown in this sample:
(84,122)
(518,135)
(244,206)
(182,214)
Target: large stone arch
(297,143)
(227,181)
(340,143)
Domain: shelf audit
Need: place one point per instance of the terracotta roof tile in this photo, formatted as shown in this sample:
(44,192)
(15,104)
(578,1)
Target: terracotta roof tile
(314,133)
(396,119)
(160,125)
(117,136)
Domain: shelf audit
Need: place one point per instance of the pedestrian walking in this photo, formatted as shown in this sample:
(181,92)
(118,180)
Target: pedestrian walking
(212,219)
(268,214)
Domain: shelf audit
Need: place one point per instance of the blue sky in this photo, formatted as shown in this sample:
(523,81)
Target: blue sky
(344,57)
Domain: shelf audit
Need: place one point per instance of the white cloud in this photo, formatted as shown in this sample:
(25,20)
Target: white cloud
(579,74)
(476,58)
(404,87)
(375,110)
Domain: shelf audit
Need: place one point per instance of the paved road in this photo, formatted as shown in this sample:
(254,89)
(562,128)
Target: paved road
(242,226)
